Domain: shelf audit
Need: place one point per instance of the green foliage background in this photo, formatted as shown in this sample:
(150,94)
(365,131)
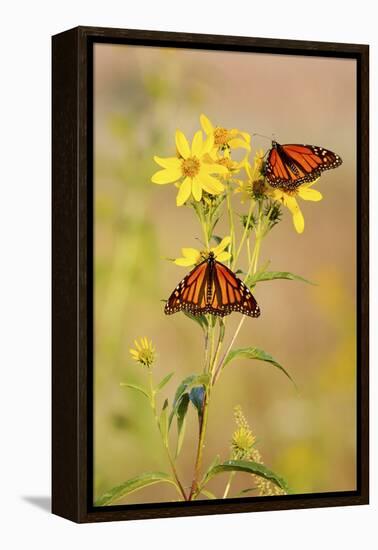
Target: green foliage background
(141,96)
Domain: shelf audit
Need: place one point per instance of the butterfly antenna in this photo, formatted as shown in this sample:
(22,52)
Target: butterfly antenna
(202,243)
(262,135)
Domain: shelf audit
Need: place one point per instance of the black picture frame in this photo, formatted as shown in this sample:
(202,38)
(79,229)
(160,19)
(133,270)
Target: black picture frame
(72,273)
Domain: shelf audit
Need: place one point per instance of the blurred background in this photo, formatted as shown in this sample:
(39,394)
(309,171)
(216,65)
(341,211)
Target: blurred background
(141,96)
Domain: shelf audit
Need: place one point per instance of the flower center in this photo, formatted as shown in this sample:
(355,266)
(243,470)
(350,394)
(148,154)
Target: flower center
(190,167)
(258,187)
(221,136)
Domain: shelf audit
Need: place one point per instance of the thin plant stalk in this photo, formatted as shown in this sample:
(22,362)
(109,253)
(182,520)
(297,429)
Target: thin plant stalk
(166,446)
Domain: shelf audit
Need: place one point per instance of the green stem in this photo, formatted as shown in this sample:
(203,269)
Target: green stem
(253,267)
(231,222)
(201,444)
(245,233)
(179,486)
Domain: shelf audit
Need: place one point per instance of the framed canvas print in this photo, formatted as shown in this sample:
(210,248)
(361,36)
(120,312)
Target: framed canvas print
(210,274)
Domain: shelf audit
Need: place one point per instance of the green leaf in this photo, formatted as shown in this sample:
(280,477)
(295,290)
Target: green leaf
(136,388)
(256,353)
(165,381)
(131,485)
(214,463)
(201,320)
(182,409)
(163,423)
(217,239)
(271,275)
(197,398)
(250,467)
(186,385)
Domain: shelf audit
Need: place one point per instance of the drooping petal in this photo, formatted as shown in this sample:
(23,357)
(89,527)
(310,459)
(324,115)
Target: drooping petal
(298,218)
(234,143)
(222,245)
(184,192)
(197,144)
(207,127)
(170,162)
(182,144)
(168,175)
(223,257)
(210,184)
(310,194)
(197,188)
(246,136)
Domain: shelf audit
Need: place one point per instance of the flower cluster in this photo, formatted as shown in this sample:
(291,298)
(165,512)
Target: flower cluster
(243,448)
(205,168)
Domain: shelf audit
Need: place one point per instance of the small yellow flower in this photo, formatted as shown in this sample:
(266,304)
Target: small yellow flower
(254,186)
(145,353)
(192,256)
(243,448)
(192,169)
(289,199)
(223,137)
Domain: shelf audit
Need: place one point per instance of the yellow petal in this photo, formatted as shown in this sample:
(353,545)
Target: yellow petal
(310,194)
(222,245)
(170,162)
(182,144)
(197,144)
(214,168)
(298,218)
(184,262)
(223,257)
(277,194)
(191,253)
(238,142)
(211,184)
(168,175)
(246,136)
(184,192)
(309,184)
(207,127)
(134,352)
(137,345)
(197,189)
(208,145)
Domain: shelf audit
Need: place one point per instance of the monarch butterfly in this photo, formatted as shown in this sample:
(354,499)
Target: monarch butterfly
(211,287)
(288,166)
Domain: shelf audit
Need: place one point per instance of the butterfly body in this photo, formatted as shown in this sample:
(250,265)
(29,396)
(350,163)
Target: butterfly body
(290,165)
(211,287)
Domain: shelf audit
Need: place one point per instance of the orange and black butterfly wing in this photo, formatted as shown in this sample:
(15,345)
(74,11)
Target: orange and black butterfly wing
(288,166)
(230,294)
(191,293)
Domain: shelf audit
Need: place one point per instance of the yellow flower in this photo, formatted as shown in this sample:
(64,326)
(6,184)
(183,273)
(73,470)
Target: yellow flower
(289,199)
(192,256)
(254,186)
(223,137)
(192,168)
(243,448)
(145,353)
